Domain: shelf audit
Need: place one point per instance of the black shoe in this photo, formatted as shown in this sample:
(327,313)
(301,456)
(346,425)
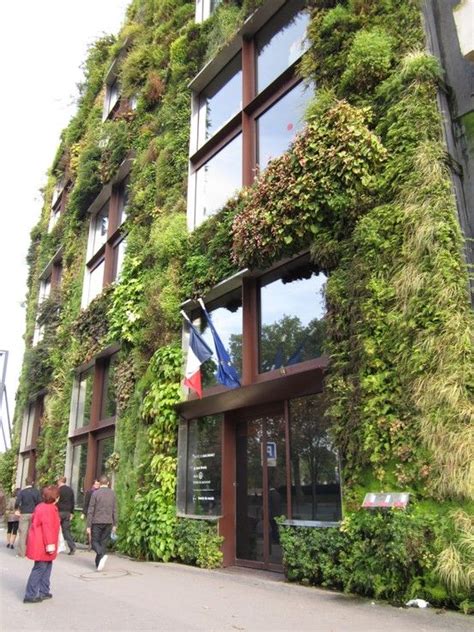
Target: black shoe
(8,546)
(46,596)
(32,599)
(72,551)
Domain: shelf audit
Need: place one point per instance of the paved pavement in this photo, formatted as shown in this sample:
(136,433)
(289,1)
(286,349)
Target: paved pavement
(138,596)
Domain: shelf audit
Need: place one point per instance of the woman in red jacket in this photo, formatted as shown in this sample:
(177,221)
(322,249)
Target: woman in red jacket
(42,546)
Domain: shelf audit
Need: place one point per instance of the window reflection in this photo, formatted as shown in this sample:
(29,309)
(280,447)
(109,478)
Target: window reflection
(84,399)
(100,226)
(278,126)
(203,470)
(95,281)
(280,43)
(119,250)
(218,179)
(78,471)
(226,314)
(123,202)
(292,325)
(109,397)
(315,482)
(220,100)
(105,448)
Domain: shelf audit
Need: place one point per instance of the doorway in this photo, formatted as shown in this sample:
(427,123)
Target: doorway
(261,493)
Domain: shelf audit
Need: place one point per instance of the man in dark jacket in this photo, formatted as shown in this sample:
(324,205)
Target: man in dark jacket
(101,520)
(66,512)
(25,504)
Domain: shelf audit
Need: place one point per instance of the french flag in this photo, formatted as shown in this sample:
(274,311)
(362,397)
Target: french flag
(198,353)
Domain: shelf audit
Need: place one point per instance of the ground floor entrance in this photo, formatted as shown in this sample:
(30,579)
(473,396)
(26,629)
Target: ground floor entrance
(260,481)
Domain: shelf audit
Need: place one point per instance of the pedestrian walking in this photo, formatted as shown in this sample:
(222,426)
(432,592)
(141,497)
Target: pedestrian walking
(42,546)
(12,520)
(66,512)
(87,500)
(101,520)
(25,504)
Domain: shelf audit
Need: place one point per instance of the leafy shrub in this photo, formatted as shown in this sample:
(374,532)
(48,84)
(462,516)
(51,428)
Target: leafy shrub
(197,542)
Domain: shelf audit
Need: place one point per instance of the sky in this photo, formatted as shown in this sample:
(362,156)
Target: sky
(42,48)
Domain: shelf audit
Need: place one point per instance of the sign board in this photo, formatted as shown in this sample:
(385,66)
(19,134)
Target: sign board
(389,499)
(271,453)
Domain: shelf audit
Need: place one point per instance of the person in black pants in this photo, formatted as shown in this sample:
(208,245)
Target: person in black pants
(25,504)
(66,512)
(101,520)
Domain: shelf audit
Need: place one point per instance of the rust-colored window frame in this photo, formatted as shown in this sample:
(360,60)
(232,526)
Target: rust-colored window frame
(29,450)
(107,252)
(98,427)
(253,105)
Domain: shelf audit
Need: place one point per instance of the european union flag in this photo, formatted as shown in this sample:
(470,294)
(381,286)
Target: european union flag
(226,372)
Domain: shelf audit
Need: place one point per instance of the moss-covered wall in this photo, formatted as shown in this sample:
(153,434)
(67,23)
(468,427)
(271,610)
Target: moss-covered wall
(365,188)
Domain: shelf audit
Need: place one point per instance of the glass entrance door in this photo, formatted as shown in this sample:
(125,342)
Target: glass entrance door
(261,489)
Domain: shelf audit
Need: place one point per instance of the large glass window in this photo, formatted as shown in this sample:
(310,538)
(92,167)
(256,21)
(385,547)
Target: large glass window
(45,289)
(105,448)
(220,100)
(78,471)
(292,324)
(119,252)
(226,314)
(315,482)
(278,126)
(100,226)
(84,399)
(280,43)
(219,179)
(199,478)
(25,466)
(95,281)
(109,396)
(28,423)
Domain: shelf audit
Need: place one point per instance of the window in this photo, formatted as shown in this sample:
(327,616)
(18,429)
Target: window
(45,289)
(78,472)
(106,246)
(280,43)
(28,423)
(278,126)
(84,399)
(249,111)
(204,9)
(220,100)
(199,476)
(292,310)
(92,422)
(226,314)
(112,97)
(218,179)
(58,204)
(315,480)
(30,432)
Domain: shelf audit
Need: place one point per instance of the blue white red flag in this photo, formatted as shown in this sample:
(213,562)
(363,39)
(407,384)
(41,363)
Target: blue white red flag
(226,372)
(198,353)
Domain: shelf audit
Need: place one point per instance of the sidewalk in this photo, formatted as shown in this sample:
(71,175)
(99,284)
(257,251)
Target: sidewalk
(138,596)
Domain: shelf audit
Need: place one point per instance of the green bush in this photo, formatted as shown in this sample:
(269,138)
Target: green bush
(197,542)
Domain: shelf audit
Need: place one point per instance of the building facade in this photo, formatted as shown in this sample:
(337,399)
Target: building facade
(305,168)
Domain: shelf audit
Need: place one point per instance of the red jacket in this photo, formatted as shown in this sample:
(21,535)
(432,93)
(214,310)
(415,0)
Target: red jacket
(44,531)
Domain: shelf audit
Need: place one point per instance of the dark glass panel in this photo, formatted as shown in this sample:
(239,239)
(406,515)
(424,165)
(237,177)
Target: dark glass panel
(226,314)
(292,324)
(78,471)
(316,487)
(84,399)
(278,126)
(203,481)
(100,227)
(220,100)
(105,448)
(280,43)
(109,399)
(218,179)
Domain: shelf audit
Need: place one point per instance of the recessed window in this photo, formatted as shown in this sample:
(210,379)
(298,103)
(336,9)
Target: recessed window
(315,480)
(226,314)
(95,281)
(112,96)
(278,126)
(220,100)
(100,227)
(292,318)
(119,251)
(84,399)
(105,448)
(219,179)
(78,472)
(45,289)
(109,393)
(27,429)
(205,8)
(280,43)
(199,476)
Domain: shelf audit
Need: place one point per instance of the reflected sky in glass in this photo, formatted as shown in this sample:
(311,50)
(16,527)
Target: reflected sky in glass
(280,43)
(278,126)
(219,179)
(220,100)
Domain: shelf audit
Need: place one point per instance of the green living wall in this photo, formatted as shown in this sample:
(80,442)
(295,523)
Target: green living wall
(366,188)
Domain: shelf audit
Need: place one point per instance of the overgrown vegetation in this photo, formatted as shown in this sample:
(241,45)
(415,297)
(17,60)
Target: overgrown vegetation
(366,189)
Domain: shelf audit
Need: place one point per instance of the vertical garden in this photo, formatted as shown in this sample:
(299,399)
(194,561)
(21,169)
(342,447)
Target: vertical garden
(366,188)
